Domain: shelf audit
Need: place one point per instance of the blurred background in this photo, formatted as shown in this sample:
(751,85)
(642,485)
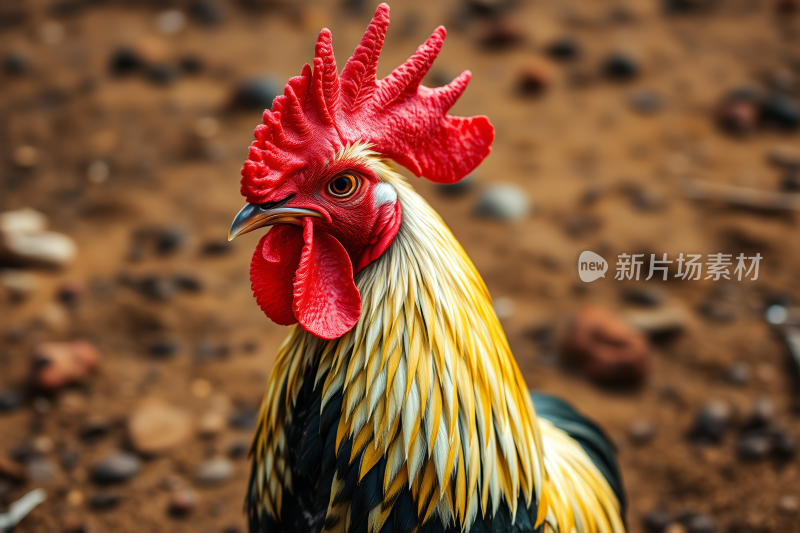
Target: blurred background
(133,356)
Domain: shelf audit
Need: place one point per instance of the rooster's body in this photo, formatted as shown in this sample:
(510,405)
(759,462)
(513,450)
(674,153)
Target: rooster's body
(395,405)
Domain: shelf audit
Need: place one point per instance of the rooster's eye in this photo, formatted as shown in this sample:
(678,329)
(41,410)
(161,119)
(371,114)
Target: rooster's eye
(343,185)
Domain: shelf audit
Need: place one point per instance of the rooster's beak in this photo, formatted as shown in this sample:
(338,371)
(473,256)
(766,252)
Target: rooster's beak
(254,216)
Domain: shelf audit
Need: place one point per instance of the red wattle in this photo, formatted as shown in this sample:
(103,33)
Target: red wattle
(326,300)
(272,272)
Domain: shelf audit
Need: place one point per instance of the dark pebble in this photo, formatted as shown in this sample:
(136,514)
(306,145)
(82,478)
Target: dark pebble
(738,373)
(717,311)
(620,67)
(710,423)
(645,297)
(656,521)
(257,93)
(191,64)
(70,293)
(217,247)
(565,49)
(164,348)
(103,501)
(205,351)
(700,523)
(761,415)
(641,432)
(116,468)
(5,490)
(238,449)
(459,188)
(206,12)
(182,502)
(754,446)
(784,446)
(791,180)
(187,282)
(23,452)
(10,400)
(162,74)
(646,102)
(170,240)
(243,418)
(15,64)
(95,428)
(580,224)
(157,288)
(502,35)
(738,112)
(125,61)
(69,459)
(782,112)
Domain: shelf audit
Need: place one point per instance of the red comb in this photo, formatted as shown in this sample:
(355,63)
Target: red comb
(320,112)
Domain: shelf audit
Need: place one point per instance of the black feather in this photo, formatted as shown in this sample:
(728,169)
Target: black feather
(404,513)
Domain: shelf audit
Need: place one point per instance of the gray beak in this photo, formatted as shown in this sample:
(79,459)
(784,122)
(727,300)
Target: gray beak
(254,216)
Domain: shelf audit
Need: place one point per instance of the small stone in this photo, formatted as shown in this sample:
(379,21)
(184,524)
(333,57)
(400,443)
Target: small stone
(169,240)
(156,426)
(761,415)
(581,223)
(211,424)
(754,446)
(238,449)
(10,400)
(187,282)
(161,74)
(787,7)
(170,22)
(646,199)
(641,432)
(503,201)
(217,247)
(503,307)
(103,501)
(781,112)
(40,469)
(564,49)
(95,428)
(26,156)
(459,188)
(125,61)
(785,156)
(24,241)
(257,93)
(243,418)
(157,288)
(116,468)
(535,78)
(502,34)
(51,32)
(42,444)
(606,349)
(98,171)
(738,112)
(647,297)
(700,523)
(182,502)
(68,459)
(17,283)
(717,310)
(646,102)
(206,12)
(784,446)
(191,64)
(620,67)
(791,180)
(11,469)
(710,422)
(656,521)
(15,64)
(788,504)
(214,472)
(738,373)
(164,348)
(57,364)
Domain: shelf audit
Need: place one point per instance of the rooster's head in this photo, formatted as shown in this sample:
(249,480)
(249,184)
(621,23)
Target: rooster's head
(315,172)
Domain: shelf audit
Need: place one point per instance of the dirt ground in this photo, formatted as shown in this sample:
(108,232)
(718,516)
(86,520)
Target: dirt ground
(583,150)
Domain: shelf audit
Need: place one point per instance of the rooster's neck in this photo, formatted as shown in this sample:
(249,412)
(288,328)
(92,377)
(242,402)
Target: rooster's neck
(426,379)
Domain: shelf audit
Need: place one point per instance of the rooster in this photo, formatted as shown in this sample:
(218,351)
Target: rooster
(395,404)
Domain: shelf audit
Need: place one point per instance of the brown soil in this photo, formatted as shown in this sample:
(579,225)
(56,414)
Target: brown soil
(580,135)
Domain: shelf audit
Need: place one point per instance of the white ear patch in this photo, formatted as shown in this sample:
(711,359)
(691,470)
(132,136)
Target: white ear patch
(384,194)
